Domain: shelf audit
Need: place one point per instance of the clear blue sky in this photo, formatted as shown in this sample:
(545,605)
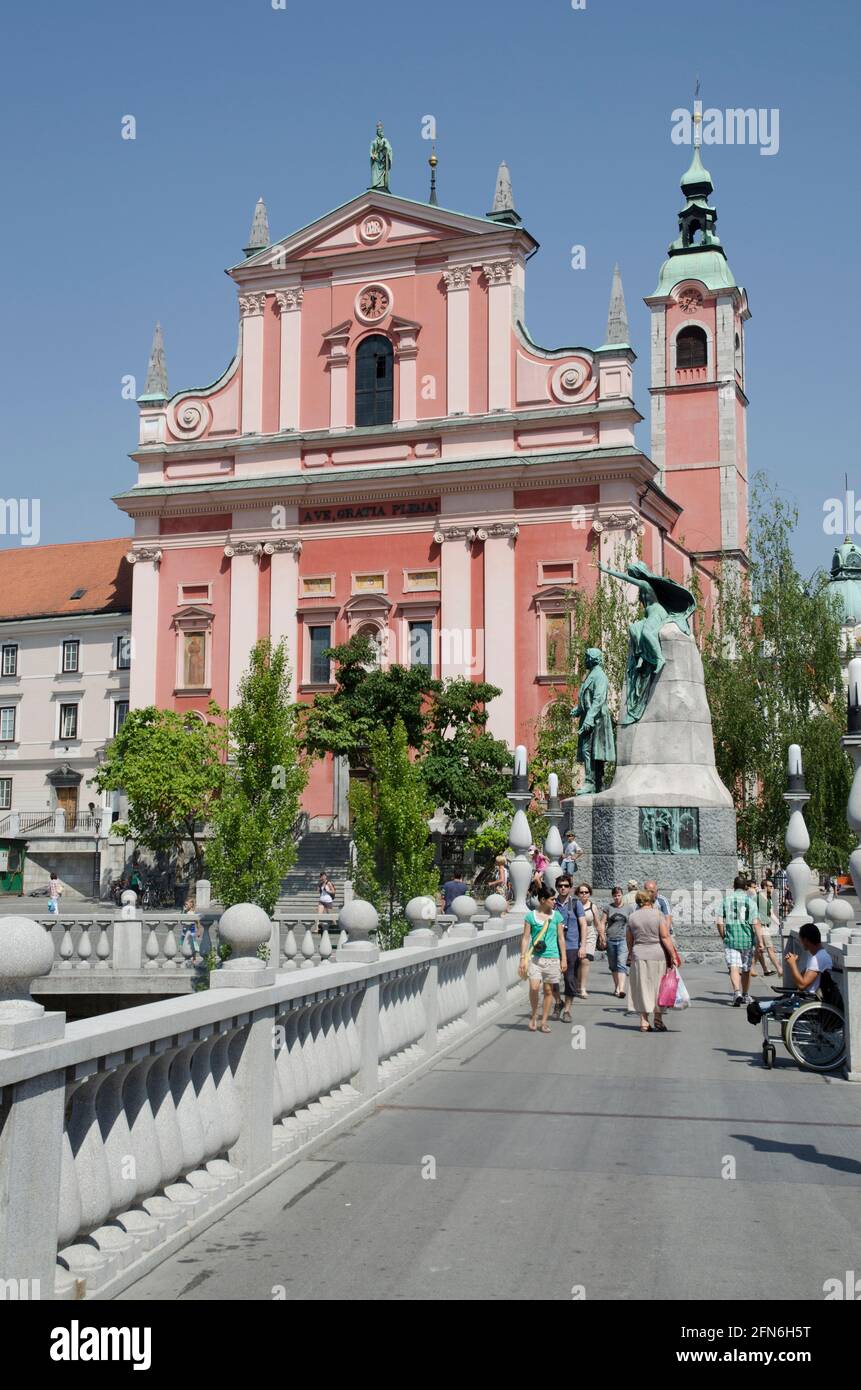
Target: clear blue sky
(233,99)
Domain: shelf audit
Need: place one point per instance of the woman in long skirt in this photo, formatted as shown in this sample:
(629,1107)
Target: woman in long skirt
(651,953)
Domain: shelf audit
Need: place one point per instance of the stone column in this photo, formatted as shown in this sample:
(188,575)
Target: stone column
(31,1137)
(284,599)
(289,303)
(553,846)
(519,837)
(244,561)
(142,677)
(500,654)
(251,308)
(498,275)
(852,1003)
(457,279)
(852,745)
(456,634)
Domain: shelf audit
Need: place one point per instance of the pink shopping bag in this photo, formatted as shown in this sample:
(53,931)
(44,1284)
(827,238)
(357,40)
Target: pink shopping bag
(667,990)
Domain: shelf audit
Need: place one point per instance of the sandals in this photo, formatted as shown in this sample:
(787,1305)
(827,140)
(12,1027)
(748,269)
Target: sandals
(532,1025)
(545,1028)
(565,1015)
(659,1026)
(648,1028)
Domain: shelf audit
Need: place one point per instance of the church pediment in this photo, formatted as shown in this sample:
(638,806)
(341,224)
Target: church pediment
(370,221)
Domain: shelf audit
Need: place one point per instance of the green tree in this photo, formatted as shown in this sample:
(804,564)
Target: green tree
(465,768)
(253,821)
(391,810)
(170,767)
(771,649)
(366,699)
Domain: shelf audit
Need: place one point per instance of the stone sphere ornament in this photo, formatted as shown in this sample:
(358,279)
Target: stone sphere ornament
(26,953)
(420,912)
(464,908)
(497,906)
(245,927)
(359,920)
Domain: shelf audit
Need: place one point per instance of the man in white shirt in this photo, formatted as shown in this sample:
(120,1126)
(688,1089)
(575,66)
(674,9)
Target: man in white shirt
(815,963)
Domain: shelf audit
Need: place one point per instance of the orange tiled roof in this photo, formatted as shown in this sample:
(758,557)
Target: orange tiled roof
(38,581)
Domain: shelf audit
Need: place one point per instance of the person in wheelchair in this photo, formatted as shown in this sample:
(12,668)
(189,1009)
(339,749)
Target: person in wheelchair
(817,962)
(809,979)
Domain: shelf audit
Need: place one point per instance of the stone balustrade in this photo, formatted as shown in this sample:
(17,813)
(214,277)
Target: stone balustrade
(123,1136)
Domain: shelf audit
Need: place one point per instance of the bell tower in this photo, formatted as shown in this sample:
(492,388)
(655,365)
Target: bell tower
(697,378)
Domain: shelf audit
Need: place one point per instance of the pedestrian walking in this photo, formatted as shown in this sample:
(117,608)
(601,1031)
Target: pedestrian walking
(451,889)
(591,935)
(500,882)
(738,926)
(326,894)
(55,892)
(616,915)
(652,954)
(569,910)
(543,956)
(761,902)
(571,855)
(629,897)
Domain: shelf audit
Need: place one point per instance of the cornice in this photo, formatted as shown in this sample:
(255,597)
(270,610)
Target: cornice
(621,410)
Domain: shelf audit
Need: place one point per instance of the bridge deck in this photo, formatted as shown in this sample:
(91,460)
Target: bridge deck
(557,1168)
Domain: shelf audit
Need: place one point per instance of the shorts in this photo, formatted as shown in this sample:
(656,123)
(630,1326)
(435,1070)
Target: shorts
(617,955)
(738,960)
(546,971)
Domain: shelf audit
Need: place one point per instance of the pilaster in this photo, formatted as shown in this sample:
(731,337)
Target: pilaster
(457,280)
(289,303)
(251,308)
(145,561)
(498,275)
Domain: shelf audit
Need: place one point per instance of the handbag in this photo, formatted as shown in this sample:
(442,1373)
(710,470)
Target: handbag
(523,967)
(668,989)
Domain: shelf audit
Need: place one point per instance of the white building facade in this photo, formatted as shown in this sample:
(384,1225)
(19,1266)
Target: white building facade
(64,693)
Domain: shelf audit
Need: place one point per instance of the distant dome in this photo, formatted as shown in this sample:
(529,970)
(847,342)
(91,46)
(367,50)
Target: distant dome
(846,580)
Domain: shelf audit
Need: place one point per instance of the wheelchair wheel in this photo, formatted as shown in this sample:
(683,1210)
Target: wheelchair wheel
(769,1052)
(815,1036)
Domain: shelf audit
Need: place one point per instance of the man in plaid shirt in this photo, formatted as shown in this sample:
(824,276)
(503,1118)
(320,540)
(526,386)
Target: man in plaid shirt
(739,927)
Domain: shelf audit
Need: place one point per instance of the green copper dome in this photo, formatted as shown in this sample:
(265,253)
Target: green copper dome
(846,580)
(697,252)
(696,178)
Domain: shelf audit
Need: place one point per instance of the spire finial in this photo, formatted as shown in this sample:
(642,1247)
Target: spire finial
(617,318)
(258,237)
(698,116)
(433,162)
(503,198)
(155,386)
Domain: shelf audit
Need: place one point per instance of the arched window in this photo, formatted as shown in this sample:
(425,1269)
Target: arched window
(374,381)
(691,348)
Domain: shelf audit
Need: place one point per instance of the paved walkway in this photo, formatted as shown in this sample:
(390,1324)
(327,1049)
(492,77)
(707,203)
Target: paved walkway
(599,1167)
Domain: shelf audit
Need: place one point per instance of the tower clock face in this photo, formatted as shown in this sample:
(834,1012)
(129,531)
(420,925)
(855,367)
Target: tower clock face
(374,303)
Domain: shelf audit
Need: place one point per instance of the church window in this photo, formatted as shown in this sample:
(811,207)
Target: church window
(320,640)
(691,348)
(420,645)
(557,633)
(194,660)
(374,381)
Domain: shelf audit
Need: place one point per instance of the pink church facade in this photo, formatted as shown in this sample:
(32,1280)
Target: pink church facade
(390,453)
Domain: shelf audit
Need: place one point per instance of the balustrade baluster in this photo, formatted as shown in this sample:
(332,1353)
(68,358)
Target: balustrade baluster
(308,948)
(85,948)
(325,946)
(152,949)
(103,949)
(170,949)
(291,950)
